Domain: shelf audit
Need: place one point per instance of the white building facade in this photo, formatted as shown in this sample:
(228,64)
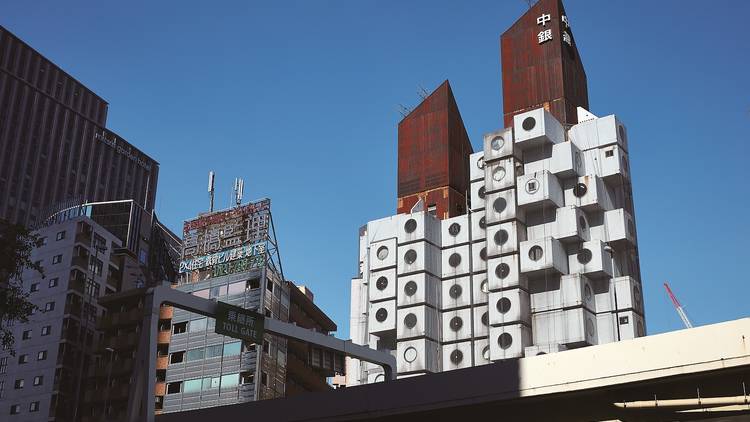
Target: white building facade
(545,260)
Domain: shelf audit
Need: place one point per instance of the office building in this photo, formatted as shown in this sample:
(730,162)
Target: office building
(55,149)
(544,259)
(88,251)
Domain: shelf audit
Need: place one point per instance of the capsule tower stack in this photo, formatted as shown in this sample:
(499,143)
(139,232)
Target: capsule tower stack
(542,254)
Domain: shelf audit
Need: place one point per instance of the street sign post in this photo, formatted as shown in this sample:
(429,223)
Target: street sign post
(239,323)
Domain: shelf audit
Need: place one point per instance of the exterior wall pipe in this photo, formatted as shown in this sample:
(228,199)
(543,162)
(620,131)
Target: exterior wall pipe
(696,402)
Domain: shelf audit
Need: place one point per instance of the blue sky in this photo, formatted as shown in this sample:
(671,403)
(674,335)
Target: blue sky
(300,98)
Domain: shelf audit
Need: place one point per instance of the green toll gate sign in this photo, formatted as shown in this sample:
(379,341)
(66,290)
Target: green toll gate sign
(237,322)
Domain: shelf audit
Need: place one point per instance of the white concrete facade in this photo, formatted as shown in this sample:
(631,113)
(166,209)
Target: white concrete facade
(546,259)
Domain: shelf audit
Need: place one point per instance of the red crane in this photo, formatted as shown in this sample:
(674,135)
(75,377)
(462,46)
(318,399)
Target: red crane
(680,311)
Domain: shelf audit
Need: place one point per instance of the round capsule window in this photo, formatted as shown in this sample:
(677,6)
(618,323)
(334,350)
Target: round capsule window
(410,225)
(536,253)
(410,288)
(381,314)
(480,163)
(624,164)
(532,186)
(410,320)
(631,228)
(641,332)
(486,353)
(503,305)
(621,131)
(578,160)
(382,253)
(580,189)
(486,319)
(379,378)
(483,254)
(455,291)
(587,293)
(381,283)
(498,174)
(454,229)
(454,260)
(582,222)
(457,356)
(499,205)
(502,270)
(410,354)
(456,323)
(505,340)
(497,143)
(484,286)
(482,192)
(528,123)
(501,237)
(584,256)
(410,256)
(482,223)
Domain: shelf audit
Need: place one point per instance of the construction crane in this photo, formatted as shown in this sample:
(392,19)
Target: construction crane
(680,311)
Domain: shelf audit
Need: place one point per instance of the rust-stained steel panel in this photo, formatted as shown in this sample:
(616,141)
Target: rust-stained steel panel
(548,74)
(447,201)
(433,148)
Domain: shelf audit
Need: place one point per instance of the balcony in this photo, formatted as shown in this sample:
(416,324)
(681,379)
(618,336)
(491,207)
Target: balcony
(77,285)
(81,262)
(73,308)
(84,237)
(161,388)
(163,337)
(162,362)
(70,334)
(166,312)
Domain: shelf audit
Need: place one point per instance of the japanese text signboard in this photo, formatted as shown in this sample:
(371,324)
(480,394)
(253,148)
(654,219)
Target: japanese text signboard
(237,322)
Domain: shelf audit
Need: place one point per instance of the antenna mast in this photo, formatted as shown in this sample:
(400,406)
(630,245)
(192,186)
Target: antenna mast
(239,188)
(678,307)
(211,187)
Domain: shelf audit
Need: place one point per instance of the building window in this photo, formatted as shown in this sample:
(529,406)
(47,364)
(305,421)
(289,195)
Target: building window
(26,335)
(43,240)
(46,329)
(34,406)
(266,346)
(23,359)
(38,380)
(177,357)
(195,354)
(60,235)
(57,259)
(174,387)
(49,306)
(269,285)
(232,349)
(179,327)
(192,386)
(53,282)
(34,287)
(3,365)
(230,381)
(42,355)
(214,351)
(263,378)
(197,325)
(18,384)
(15,409)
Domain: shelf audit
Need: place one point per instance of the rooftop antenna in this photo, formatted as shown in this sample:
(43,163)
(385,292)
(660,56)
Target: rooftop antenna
(403,110)
(422,92)
(211,188)
(239,187)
